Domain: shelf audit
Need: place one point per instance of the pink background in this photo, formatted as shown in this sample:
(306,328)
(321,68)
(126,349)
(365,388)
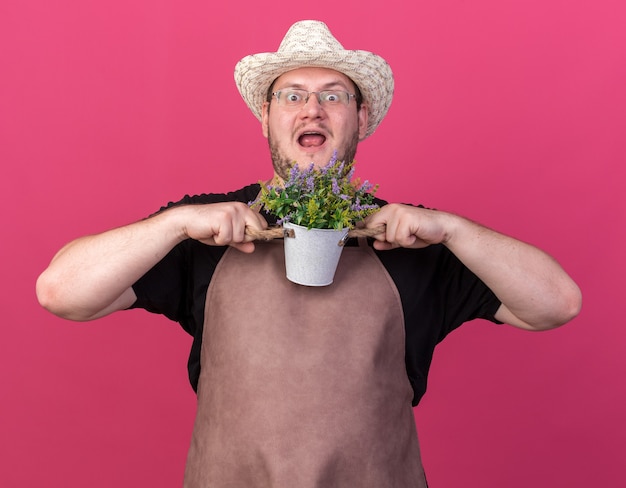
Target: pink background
(512,112)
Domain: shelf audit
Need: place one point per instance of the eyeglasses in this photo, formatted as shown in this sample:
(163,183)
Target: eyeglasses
(295,98)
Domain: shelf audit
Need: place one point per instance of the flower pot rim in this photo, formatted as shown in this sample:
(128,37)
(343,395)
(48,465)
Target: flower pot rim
(291,224)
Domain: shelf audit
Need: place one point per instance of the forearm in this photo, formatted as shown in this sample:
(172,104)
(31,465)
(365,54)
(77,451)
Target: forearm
(94,273)
(531,285)
(93,276)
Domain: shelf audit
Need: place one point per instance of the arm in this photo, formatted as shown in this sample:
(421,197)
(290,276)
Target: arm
(535,292)
(93,275)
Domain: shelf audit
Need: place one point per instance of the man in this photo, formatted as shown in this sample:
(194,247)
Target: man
(301,386)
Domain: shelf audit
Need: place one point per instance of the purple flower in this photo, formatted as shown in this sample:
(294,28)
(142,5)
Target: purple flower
(327,167)
(310,184)
(357,207)
(366,186)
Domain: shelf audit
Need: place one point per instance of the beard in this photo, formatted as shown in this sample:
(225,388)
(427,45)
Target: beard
(282,164)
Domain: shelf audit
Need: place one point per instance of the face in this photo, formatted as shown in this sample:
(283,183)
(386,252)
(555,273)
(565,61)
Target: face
(311,133)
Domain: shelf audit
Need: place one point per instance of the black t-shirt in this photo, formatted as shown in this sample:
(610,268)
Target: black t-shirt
(438,292)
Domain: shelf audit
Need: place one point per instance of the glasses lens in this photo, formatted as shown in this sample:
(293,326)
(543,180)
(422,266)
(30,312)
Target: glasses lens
(334,98)
(296,98)
(292,98)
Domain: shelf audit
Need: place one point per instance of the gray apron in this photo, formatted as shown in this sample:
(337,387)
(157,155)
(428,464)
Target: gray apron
(303,387)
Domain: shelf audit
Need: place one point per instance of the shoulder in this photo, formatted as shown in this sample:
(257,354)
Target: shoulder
(245,194)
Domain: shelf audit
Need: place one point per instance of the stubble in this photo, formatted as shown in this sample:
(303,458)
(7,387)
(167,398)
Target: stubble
(282,164)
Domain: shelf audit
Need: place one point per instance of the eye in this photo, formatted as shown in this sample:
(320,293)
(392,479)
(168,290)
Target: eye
(331,96)
(293,96)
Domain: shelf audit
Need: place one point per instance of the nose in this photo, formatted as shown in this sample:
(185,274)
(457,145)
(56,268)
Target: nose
(312,104)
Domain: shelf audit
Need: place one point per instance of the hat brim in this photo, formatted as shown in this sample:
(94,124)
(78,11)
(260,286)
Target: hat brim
(255,73)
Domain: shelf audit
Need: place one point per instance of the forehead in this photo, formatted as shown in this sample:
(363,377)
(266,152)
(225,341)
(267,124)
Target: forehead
(313,78)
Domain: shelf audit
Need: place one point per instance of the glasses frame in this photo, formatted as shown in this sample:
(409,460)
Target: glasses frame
(305,100)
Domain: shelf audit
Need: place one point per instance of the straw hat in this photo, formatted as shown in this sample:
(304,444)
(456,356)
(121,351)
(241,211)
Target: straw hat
(309,43)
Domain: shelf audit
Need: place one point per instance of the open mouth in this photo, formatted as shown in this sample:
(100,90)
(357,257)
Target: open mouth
(311,139)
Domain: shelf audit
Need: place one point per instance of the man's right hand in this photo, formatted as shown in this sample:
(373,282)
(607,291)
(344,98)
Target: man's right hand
(220,224)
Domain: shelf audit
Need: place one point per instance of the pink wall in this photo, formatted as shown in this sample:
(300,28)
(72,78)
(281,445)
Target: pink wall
(510,112)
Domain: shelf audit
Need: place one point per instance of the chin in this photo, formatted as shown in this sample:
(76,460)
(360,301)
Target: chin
(318,158)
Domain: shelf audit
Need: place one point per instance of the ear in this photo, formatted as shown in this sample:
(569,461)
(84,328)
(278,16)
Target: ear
(265,118)
(363,117)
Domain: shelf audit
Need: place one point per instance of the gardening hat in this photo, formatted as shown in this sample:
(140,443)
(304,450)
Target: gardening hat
(309,43)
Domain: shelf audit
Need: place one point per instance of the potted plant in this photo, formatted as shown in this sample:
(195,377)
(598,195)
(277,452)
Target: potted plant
(319,206)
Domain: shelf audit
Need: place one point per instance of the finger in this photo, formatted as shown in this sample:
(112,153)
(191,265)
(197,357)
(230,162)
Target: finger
(375,221)
(383,245)
(391,231)
(253,227)
(241,218)
(247,247)
(256,221)
(238,225)
(406,240)
(224,234)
